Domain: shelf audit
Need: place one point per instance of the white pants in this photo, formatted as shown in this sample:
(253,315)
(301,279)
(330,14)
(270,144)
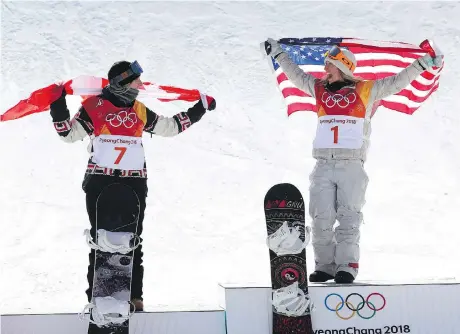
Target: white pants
(337,192)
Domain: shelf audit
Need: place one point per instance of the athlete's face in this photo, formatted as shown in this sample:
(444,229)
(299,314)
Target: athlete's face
(331,69)
(136,84)
(332,72)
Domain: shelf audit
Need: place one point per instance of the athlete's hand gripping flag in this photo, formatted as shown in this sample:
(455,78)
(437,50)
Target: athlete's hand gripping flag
(86,86)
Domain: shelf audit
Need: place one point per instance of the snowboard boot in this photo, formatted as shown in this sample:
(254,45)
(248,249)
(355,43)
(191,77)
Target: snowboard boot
(343,277)
(320,276)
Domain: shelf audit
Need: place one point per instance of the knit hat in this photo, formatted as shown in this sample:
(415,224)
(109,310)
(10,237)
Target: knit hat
(341,65)
(123,72)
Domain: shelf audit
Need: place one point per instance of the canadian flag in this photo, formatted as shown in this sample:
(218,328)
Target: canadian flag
(86,86)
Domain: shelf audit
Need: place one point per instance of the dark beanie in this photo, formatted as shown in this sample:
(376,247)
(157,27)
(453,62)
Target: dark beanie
(119,68)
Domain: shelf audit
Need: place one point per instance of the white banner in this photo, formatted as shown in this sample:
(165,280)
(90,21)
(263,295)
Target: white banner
(355,309)
(167,322)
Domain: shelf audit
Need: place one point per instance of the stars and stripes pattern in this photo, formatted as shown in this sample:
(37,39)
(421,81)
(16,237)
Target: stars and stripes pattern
(375,60)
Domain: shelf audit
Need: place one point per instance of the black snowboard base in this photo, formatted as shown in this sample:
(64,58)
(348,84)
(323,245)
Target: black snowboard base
(118,210)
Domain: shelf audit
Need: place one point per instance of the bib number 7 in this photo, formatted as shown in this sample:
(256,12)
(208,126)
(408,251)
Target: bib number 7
(120,155)
(118,152)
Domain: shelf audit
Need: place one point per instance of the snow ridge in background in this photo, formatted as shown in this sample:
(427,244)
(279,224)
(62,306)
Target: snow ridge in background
(204,221)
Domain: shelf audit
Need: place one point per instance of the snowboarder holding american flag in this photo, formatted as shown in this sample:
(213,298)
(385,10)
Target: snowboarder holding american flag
(345,105)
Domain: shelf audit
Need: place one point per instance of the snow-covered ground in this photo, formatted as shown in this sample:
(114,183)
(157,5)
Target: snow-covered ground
(204,221)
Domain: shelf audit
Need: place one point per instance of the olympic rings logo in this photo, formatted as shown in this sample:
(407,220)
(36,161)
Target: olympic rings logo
(377,304)
(340,100)
(122,118)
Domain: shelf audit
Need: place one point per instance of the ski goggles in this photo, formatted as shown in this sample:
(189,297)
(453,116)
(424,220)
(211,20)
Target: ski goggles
(336,53)
(134,71)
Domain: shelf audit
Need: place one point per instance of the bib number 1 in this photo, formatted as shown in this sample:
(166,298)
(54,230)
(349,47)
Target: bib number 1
(335,129)
(339,132)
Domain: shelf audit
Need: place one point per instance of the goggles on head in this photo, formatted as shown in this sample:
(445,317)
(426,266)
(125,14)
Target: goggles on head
(336,53)
(134,70)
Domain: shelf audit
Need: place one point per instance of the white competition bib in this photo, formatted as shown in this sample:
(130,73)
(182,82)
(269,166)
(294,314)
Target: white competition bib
(118,152)
(338,131)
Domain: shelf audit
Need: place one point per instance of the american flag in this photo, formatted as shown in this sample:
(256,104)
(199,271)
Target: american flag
(376,59)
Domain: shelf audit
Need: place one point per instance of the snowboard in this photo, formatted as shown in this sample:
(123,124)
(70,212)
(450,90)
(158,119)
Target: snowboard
(117,210)
(284,203)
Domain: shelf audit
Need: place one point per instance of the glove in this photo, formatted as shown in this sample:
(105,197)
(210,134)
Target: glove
(272,48)
(209,103)
(60,101)
(428,62)
(62,96)
(64,93)
(58,108)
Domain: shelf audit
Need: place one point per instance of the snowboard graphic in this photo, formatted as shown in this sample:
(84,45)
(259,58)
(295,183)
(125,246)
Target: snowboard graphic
(285,218)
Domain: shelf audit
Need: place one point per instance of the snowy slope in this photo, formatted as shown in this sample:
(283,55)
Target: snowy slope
(204,221)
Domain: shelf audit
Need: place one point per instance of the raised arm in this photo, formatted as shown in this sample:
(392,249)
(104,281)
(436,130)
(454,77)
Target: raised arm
(303,81)
(171,126)
(69,130)
(395,83)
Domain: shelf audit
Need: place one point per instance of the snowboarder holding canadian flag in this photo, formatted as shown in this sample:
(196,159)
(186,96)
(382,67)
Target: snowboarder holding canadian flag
(115,122)
(345,106)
